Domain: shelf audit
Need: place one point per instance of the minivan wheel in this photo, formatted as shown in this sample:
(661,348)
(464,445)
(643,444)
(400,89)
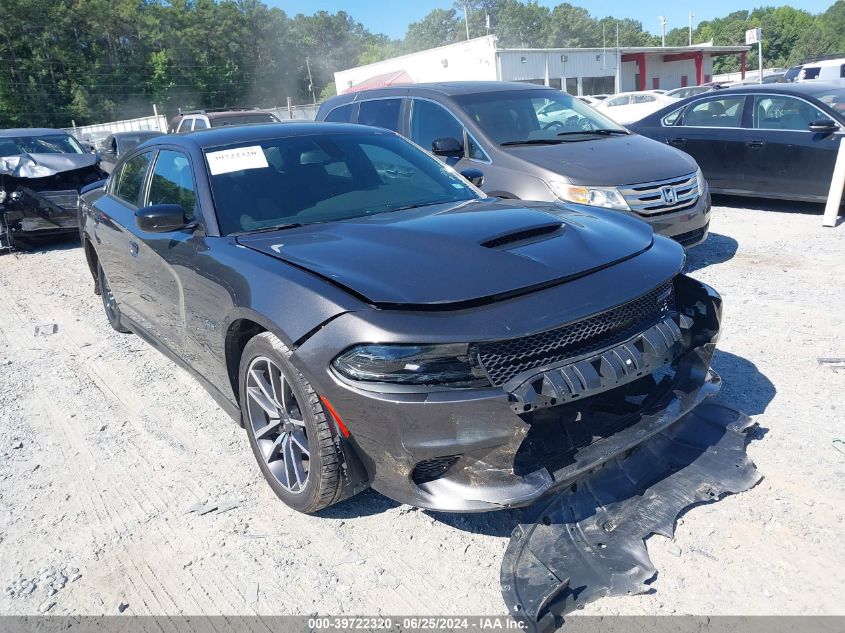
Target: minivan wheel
(110,303)
(287,427)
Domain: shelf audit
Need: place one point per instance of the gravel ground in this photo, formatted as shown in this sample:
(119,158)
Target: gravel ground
(106,447)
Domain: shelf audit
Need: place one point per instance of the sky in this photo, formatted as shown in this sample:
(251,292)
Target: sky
(392,18)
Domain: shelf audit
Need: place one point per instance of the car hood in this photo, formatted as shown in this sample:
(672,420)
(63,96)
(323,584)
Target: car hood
(455,255)
(43,165)
(608,161)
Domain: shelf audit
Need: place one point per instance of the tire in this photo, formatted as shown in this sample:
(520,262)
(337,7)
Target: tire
(110,306)
(278,442)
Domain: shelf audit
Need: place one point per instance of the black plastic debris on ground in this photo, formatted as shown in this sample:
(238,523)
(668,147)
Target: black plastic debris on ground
(588,541)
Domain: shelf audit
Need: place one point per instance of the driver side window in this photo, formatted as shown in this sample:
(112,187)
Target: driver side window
(430,121)
(173,183)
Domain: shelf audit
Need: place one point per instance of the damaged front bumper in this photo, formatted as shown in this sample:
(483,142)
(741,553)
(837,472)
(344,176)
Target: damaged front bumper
(486,449)
(40,201)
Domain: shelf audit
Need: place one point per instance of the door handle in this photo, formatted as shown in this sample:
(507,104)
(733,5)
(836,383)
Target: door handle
(755,144)
(677,141)
(133,249)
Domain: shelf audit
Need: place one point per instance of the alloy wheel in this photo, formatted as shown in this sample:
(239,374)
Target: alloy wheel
(276,420)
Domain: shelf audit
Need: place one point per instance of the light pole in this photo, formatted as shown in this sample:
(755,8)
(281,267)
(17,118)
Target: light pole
(663,21)
(466,18)
(691,16)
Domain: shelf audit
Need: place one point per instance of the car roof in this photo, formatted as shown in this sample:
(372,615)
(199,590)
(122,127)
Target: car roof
(30,131)
(825,62)
(230,134)
(801,88)
(152,133)
(444,88)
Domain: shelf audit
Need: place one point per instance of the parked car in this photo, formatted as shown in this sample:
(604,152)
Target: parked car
(793,73)
(373,319)
(688,91)
(627,107)
(116,145)
(832,70)
(537,143)
(42,171)
(774,141)
(203,119)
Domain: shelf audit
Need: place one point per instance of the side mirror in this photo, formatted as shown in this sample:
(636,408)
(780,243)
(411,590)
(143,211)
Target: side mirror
(475,176)
(825,126)
(161,218)
(447,146)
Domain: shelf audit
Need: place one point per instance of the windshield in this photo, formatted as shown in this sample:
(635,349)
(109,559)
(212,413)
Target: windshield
(833,98)
(47,144)
(533,115)
(323,178)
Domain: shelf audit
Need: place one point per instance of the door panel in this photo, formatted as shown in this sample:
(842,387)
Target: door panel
(710,131)
(163,260)
(114,222)
(789,160)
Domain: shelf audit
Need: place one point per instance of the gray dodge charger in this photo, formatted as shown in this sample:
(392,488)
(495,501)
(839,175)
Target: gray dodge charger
(373,319)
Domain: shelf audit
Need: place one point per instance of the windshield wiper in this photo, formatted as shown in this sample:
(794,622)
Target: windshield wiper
(267,229)
(534,141)
(602,131)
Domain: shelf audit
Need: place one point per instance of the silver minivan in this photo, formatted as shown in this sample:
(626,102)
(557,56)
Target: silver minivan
(537,143)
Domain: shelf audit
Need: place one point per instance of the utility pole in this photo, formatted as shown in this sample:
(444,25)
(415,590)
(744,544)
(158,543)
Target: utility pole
(691,16)
(310,81)
(487,22)
(466,18)
(663,21)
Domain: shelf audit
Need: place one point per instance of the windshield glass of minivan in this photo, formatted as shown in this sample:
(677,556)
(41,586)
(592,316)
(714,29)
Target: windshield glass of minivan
(327,177)
(833,98)
(46,144)
(516,116)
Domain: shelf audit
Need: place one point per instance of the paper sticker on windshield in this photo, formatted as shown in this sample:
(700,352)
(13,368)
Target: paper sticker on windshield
(229,160)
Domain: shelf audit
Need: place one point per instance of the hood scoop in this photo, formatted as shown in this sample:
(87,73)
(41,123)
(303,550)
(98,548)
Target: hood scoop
(544,231)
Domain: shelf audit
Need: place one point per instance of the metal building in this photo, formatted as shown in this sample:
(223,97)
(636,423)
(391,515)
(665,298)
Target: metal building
(578,71)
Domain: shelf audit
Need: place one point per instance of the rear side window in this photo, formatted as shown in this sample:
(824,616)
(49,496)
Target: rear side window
(131,180)
(341,114)
(172,182)
(716,112)
(430,121)
(380,113)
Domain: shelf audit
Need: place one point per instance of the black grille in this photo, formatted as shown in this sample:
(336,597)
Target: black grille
(432,469)
(505,359)
(691,236)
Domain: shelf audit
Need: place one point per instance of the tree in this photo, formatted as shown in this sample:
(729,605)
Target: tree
(438,28)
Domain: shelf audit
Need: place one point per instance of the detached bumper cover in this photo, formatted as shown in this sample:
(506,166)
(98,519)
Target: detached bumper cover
(588,541)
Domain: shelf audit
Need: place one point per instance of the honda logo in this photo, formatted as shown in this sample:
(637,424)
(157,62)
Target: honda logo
(669,195)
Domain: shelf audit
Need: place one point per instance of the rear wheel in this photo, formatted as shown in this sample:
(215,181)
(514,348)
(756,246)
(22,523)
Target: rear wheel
(287,427)
(110,303)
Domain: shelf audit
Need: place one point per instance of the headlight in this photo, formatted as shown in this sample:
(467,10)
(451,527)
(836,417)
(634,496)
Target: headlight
(2,196)
(607,197)
(702,183)
(451,365)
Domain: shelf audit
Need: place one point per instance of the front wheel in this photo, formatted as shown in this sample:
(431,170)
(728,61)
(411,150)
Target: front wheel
(110,303)
(287,427)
